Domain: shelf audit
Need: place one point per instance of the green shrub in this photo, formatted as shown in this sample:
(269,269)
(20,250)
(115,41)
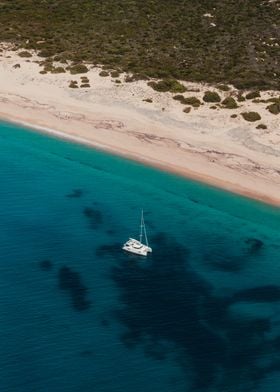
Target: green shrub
(187,109)
(84,79)
(251,116)
(73,84)
(115,74)
(48,67)
(118,81)
(274,108)
(179,97)
(253,94)
(240,98)
(257,100)
(103,73)
(170,85)
(211,96)
(78,69)
(46,53)
(233,116)
(229,103)
(16,66)
(193,101)
(261,126)
(223,87)
(58,70)
(85,85)
(25,53)
(274,100)
(213,107)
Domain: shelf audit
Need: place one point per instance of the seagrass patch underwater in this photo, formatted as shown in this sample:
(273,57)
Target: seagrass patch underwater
(201,313)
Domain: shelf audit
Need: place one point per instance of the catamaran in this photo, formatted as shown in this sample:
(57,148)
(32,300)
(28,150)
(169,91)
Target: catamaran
(137,247)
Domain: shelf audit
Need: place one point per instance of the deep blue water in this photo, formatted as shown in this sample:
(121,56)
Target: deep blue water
(202,313)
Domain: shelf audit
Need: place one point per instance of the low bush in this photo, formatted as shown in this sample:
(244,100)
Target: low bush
(193,101)
(179,97)
(261,126)
(233,116)
(48,67)
(85,85)
(170,85)
(273,100)
(58,70)
(240,98)
(211,96)
(253,94)
(73,84)
(25,53)
(187,109)
(103,73)
(149,100)
(223,87)
(78,69)
(229,103)
(274,108)
(115,74)
(251,116)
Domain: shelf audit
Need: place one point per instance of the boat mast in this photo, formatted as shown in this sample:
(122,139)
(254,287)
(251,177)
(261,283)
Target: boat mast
(141,227)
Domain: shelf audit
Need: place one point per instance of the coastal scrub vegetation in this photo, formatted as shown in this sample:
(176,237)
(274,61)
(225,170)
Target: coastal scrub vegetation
(229,103)
(253,94)
(261,126)
(193,101)
(211,96)
(251,116)
(170,85)
(25,53)
(274,108)
(159,39)
(73,84)
(78,69)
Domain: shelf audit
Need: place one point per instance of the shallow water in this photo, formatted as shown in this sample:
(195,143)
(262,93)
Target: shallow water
(200,314)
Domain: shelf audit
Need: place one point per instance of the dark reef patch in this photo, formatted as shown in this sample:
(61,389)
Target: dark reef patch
(268,293)
(76,193)
(254,245)
(222,260)
(94,217)
(46,265)
(71,282)
(165,301)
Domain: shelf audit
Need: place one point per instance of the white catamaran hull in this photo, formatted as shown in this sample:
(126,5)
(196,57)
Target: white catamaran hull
(136,247)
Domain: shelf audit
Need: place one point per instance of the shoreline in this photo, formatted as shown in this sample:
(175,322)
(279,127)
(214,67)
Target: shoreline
(183,173)
(212,146)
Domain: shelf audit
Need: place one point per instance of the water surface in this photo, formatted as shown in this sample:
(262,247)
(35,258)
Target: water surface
(200,314)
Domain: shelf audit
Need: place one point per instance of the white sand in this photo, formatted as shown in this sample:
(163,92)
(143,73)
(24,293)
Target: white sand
(204,144)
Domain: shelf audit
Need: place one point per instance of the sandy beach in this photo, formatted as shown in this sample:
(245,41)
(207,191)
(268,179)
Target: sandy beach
(204,144)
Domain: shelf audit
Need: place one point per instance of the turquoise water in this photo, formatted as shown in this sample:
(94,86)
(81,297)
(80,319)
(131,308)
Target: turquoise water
(77,314)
